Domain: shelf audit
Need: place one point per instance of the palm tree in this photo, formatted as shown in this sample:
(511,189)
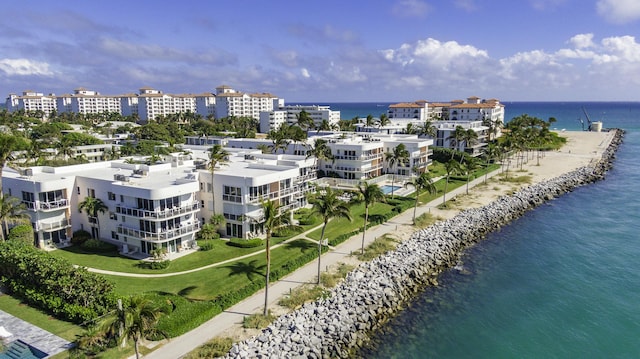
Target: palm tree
(491,152)
(304,120)
(455,138)
(92,206)
(8,144)
(327,204)
(136,320)
(384,120)
(469,167)
(369,194)
(217,156)
(369,121)
(422,182)
(428,129)
(320,151)
(12,210)
(399,156)
(451,167)
(470,138)
(272,220)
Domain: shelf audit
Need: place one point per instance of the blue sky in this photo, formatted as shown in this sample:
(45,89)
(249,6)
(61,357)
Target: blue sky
(328,51)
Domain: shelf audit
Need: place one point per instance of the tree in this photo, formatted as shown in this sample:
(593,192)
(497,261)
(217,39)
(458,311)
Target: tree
(135,320)
(320,151)
(12,210)
(491,152)
(327,204)
(217,156)
(383,120)
(455,138)
(428,129)
(369,121)
(422,182)
(470,138)
(369,194)
(470,165)
(21,232)
(304,120)
(272,220)
(92,206)
(399,156)
(8,144)
(451,167)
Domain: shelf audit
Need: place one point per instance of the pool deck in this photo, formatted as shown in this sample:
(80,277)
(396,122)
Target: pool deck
(32,335)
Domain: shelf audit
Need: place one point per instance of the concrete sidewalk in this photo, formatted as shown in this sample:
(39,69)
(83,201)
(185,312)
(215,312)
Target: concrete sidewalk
(178,347)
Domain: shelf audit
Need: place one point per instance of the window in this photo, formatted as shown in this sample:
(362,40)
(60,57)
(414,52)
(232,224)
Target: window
(111,196)
(78,190)
(232,194)
(91,192)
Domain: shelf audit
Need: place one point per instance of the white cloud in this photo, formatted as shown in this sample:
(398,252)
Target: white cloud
(467,5)
(411,8)
(619,11)
(582,41)
(305,73)
(25,67)
(434,54)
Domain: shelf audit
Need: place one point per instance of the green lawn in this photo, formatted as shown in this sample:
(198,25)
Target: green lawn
(39,318)
(114,262)
(209,283)
(337,226)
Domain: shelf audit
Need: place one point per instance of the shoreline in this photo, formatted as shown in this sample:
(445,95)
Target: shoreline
(378,289)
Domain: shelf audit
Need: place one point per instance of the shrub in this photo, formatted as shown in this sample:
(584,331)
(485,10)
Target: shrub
(216,347)
(155,264)
(80,236)
(22,232)
(301,295)
(207,246)
(245,243)
(258,321)
(98,246)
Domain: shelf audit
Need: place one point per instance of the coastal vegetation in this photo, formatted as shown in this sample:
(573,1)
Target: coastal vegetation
(197,296)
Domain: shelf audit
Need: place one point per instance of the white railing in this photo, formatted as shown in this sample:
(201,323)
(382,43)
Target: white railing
(164,235)
(47,206)
(53,225)
(158,214)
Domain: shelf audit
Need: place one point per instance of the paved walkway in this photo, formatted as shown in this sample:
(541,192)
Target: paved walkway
(32,335)
(179,346)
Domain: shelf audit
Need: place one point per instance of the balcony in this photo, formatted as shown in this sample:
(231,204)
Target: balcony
(47,206)
(165,234)
(158,214)
(53,226)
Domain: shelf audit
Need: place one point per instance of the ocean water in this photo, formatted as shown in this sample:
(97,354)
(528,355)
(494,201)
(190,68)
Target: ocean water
(560,282)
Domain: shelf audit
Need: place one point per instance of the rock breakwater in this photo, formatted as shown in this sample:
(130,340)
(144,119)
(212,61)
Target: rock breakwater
(378,289)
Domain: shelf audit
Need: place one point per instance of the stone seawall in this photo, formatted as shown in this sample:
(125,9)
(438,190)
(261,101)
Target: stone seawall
(376,290)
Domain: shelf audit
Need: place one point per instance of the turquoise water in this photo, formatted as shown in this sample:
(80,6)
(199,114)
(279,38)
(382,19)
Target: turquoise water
(386,189)
(560,282)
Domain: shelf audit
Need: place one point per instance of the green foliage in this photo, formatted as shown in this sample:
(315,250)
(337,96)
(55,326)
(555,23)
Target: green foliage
(80,236)
(97,246)
(216,347)
(287,231)
(301,295)
(79,139)
(245,243)
(258,321)
(53,284)
(155,264)
(379,246)
(185,314)
(22,232)
(424,220)
(207,246)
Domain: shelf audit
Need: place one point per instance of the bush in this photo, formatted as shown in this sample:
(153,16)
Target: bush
(216,347)
(258,321)
(23,233)
(245,243)
(207,246)
(80,236)
(155,264)
(97,246)
(288,231)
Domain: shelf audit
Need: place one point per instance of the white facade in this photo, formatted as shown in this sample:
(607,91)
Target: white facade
(87,101)
(446,128)
(148,206)
(153,103)
(271,120)
(32,101)
(240,186)
(230,102)
(405,112)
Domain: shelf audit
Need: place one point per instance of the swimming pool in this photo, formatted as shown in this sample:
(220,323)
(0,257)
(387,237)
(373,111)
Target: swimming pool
(22,350)
(386,189)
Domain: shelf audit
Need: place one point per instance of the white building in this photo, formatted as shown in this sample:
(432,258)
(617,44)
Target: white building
(230,102)
(148,206)
(32,101)
(249,177)
(271,120)
(153,103)
(445,129)
(405,112)
(87,102)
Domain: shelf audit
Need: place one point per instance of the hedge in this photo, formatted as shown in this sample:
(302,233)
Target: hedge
(245,243)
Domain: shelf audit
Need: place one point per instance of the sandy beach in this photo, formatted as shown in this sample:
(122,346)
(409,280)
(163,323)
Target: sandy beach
(581,149)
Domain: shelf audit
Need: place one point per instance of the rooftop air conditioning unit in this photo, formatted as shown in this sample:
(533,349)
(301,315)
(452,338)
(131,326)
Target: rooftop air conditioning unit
(121,178)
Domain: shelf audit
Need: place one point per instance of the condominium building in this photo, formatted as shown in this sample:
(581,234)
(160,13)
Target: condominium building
(445,130)
(408,111)
(230,102)
(147,206)
(149,103)
(32,101)
(87,102)
(248,178)
(319,115)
